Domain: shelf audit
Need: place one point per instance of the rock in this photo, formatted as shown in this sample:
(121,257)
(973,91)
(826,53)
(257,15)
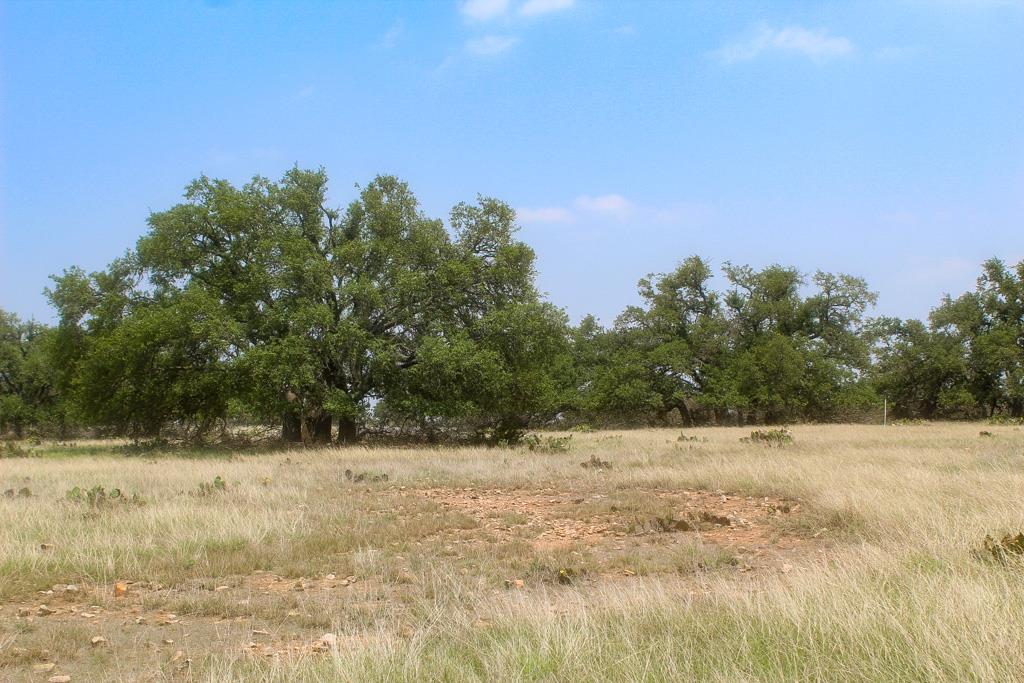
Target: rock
(46,546)
(60,678)
(514,583)
(120,589)
(330,577)
(98,641)
(258,632)
(220,588)
(71,588)
(45,611)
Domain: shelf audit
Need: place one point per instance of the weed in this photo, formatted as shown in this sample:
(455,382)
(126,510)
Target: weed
(1007,548)
(769,437)
(218,486)
(596,463)
(550,444)
(98,497)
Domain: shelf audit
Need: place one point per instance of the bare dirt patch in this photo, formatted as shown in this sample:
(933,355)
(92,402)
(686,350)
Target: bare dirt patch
(611,523)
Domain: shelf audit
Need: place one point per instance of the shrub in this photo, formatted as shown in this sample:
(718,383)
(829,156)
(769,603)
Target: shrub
(769,437)
(98,497)
(218,486)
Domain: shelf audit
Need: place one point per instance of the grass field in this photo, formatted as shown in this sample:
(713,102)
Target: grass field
(851,555)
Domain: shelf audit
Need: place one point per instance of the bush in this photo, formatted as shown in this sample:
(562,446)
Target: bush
(776,438)
(218,486)
(98,497)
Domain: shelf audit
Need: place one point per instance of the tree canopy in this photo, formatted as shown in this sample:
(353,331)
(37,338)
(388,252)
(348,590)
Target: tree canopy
(265,304)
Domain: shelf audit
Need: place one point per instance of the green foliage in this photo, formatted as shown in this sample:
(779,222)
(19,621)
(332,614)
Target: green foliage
(208,489)
(98,497)
(265,303)
(262,296)
(28,391)
(776,438)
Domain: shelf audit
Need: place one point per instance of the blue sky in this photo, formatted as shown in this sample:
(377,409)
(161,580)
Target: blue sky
(881,139)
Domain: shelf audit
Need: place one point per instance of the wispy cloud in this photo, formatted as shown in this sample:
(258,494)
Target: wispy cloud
(487,46)
(545,214)
(533,8)
(306,92)
(817,44)
(608,204)
(482,10)
(391,36)
(617,208)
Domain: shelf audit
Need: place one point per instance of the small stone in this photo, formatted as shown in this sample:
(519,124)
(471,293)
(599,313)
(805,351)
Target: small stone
(258,632)
(120,589)
(220,588)
(330,577)
(98,641)
(71,588)
(60,678)
(45,611)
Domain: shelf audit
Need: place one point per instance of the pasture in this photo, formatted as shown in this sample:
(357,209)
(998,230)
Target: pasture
(855,553)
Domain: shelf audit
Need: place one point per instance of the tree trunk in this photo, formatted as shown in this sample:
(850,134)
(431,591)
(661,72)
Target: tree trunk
(684,412)
(348,430)
(291,428)
(320,429)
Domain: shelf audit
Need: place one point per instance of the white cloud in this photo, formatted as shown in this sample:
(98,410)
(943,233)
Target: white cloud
(306,92)
(533,8)
(490,45)
(817,44)
(612,204)
(482,10)
(545,214)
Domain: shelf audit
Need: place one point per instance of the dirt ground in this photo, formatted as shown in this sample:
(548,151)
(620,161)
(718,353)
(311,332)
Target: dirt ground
(173,625)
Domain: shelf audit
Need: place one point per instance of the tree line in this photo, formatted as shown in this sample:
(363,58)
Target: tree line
(263,305)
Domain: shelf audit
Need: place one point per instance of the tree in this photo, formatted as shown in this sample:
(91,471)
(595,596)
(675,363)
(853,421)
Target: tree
(27,392)
(988,323)
(301,311)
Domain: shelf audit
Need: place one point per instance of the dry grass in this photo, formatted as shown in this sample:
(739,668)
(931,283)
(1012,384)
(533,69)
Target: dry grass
(881,580)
